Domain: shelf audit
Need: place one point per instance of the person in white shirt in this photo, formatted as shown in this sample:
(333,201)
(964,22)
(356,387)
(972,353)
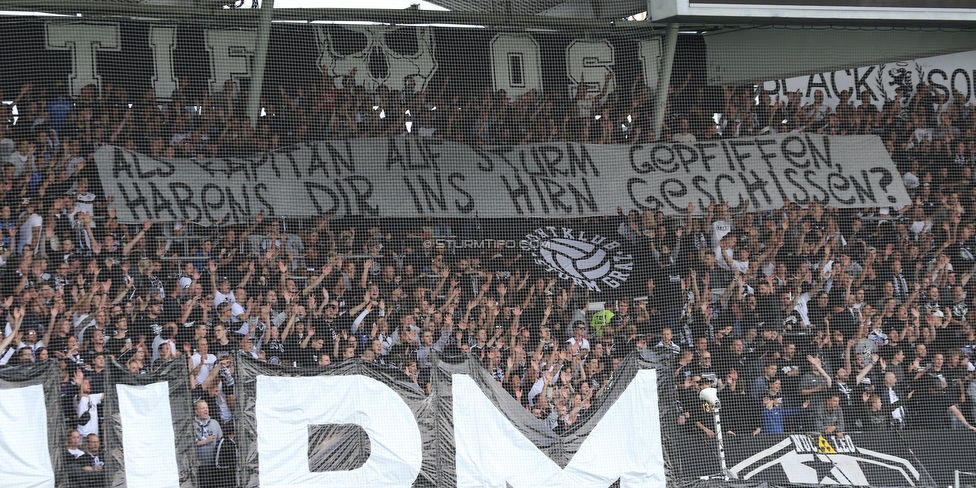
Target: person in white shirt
(87,403)
(188,277)
(203,361)
(84,204)
(238,312)
(166,336)
(911,181)
(685,135)
(221,286)
(75,161)
(32,341)
(31,224)
(23,158)
(667,342)
(74,444)
(579,345)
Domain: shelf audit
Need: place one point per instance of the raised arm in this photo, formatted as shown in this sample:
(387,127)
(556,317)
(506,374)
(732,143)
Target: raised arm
(817,364)
(343,334)
(16,317)
(48,330)
(693,277)
(733,286)
(118,130)
(366,301)
(282,277)
(247,276)
(440,285)
(187,309)
(212,267)
(308,338)
(288,326)
(138,237)
(314,282)
(210,384)
(358,321)
(847,354)
(364,279)
(250,230)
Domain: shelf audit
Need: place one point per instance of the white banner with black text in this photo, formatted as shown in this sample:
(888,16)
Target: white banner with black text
(416,177)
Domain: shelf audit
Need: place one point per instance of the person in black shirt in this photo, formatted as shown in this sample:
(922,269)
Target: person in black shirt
(272,349)
(57,339)
(225,465)
(222,343)
(96,376)
(790,368)
(199,310)
(740,412)
(312,349)
(962,252)
(704,367)
(112,270)
(292,338)
(148,323)
(92,465)
(119,345)
(171,309)
(817,310)
(388,281)
(930,404)
(93,345)
(877,417)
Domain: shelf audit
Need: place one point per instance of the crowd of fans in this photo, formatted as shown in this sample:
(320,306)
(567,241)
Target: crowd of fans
(192,124)
(808,318)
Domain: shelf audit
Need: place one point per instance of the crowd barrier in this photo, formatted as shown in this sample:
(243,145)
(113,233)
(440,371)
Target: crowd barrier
(364,424)
(411,438)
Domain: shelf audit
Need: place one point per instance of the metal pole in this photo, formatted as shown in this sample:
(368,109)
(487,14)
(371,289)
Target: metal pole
(667,61)
(260,60)
(718,441)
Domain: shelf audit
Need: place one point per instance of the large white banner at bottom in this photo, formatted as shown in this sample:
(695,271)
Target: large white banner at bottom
(24,455)
(624,445)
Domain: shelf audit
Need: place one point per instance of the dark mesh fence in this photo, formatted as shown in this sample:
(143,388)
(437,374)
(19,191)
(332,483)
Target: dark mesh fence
(542,211)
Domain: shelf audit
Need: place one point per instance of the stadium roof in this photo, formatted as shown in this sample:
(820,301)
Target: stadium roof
(753,40)
(579,9)
(699,15)
(915,13)
(747,40)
